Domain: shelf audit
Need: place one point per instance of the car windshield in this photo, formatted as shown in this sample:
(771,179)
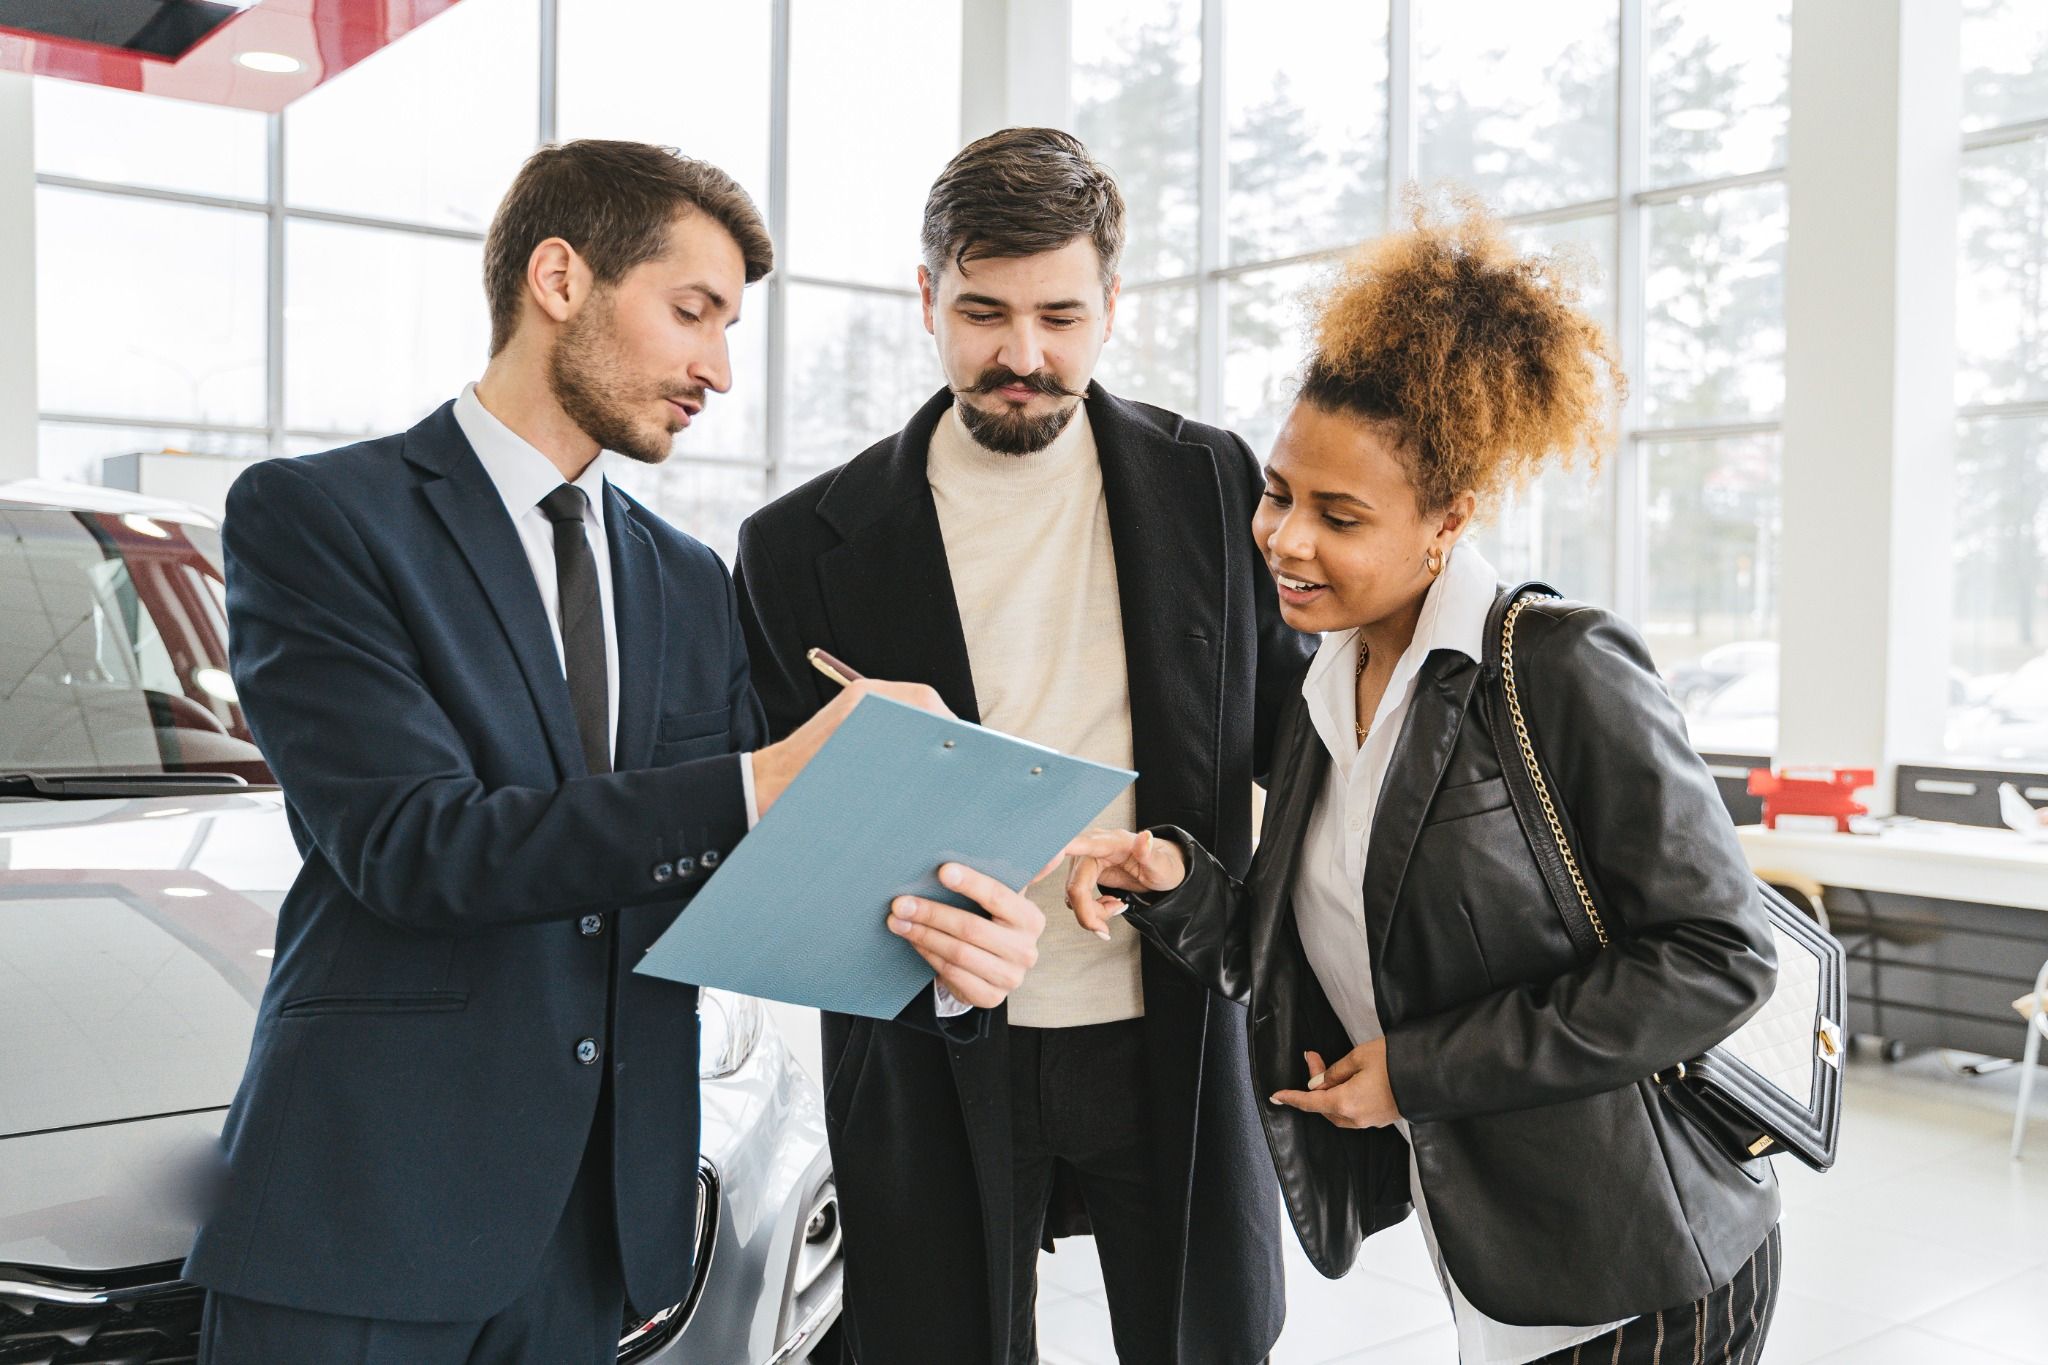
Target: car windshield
(113,648)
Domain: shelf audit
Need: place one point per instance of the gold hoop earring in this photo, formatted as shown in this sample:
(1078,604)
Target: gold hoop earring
(1434,561)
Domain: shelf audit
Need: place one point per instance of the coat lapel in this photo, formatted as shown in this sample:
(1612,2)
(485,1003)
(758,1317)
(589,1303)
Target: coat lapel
(1170,542)
(642,622)
(467,502)
(1420,755)
(888,589)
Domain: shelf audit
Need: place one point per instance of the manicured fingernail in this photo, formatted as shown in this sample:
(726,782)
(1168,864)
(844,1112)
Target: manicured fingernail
(1315,1082)
(950,874)
(1273,1098)
(1117,907)
(1103,934)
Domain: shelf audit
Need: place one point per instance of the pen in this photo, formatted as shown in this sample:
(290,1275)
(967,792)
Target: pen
(843,674)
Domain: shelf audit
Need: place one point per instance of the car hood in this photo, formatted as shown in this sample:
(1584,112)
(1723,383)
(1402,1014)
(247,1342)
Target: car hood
(135,938)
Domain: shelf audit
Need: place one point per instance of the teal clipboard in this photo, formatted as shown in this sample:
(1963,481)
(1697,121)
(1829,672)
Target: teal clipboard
(797,912)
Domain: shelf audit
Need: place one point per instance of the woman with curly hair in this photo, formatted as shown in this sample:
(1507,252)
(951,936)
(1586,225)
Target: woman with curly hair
(1483,1068)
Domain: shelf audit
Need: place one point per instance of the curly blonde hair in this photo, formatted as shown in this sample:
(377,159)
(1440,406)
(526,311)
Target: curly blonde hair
(1477,357)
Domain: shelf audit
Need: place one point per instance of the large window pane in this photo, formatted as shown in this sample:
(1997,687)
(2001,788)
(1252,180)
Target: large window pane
(1998,690)
(1717,77)
(148,309)
(1266,349)
(618,77)
(1516,100)
(874,116)
(1585,248)
(1151,352)
(1137,104)
(1714,304)
(709,501)
(1559,529)
(432,128)
(860,365)
(1308,124)
(380,327)
(1712,526)
(2005,62)
(74,451)
(94,133)
(2002,285)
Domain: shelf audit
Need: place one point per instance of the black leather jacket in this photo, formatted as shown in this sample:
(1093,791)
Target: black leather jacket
(1563,1190)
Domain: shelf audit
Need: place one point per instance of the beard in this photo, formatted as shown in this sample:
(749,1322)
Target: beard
(1016,432)
(587,375)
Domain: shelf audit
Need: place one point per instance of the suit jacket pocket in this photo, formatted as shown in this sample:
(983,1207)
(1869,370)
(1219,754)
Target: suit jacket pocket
(1468,798)
(391,1002)
(677,726)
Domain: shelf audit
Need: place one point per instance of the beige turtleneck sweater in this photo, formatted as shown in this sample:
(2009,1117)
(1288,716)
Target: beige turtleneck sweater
(1027,539)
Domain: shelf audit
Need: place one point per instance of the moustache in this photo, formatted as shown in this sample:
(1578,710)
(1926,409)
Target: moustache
(1041,381)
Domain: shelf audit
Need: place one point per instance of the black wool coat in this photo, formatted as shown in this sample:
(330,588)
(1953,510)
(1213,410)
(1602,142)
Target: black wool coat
(853,562)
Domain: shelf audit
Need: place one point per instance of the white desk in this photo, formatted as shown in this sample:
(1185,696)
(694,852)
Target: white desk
(1941,969)
(1943,862)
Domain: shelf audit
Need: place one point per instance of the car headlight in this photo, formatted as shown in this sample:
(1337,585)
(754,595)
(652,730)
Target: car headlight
(728,1027)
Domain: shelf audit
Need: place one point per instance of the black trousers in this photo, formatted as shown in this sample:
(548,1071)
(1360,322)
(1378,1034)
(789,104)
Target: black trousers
(1078,1097)
(1728,1325)
(571,1313)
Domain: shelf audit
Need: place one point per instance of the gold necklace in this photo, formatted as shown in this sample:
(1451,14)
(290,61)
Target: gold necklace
(1359,727)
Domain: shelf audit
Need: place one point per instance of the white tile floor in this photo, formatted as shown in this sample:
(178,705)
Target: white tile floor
(1925,1245)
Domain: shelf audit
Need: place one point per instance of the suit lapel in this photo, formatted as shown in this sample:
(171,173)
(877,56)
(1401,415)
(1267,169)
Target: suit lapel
(1170,542)
(888,589)
(1420,755)
(469,506)
(642,620)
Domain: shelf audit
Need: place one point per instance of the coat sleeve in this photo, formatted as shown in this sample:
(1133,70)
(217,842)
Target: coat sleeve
(1691,955)
(788,688)
(1284,652)
(1202,925)
(377,771)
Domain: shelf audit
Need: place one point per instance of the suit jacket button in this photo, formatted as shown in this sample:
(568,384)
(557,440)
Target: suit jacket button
(710,858)
(590,926)
(663,871)
(586,1051)
(685,866)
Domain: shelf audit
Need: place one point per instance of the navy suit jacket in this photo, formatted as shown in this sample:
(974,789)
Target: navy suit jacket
(414,1109)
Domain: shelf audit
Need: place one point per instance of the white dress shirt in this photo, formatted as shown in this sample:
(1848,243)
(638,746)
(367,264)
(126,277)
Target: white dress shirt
(1329,896)
(523,476)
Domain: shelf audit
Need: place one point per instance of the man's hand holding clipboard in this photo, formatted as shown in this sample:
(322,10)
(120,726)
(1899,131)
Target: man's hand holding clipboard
(980,960)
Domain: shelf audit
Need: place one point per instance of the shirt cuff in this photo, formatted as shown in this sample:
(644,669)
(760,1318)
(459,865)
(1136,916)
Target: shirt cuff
(945,1005)
(747,790)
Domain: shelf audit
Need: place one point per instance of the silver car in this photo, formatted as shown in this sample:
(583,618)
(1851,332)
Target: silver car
(143,855)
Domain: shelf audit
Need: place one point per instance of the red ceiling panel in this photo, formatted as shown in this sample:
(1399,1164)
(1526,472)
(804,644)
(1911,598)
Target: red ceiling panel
(325,38)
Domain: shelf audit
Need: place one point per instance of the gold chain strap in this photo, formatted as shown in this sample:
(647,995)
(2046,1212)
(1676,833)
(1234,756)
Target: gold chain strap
(1571,863)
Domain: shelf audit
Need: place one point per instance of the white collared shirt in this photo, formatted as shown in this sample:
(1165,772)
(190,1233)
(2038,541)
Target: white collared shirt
(523,476)
(1329,896)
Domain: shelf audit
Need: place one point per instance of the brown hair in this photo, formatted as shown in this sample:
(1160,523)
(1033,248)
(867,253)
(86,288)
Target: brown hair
(1019,192)
(614,202)
(1476,357)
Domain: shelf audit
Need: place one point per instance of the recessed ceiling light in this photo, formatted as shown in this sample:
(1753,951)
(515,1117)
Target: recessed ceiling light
(266,952)
(147,526)
(184,892)
(215,682)
(274,63)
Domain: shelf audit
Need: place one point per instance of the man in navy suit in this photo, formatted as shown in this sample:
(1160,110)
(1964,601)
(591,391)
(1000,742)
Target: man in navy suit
(511,715)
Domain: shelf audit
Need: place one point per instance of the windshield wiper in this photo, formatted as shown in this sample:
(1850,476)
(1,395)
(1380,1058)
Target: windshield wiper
(103,785)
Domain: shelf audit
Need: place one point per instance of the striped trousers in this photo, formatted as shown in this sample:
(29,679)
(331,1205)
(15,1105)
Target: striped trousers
(1727,1327)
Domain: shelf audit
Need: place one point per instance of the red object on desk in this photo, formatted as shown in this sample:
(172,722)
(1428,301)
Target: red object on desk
(1811,791)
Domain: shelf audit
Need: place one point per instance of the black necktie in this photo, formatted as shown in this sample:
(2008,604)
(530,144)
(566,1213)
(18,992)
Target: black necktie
(582,624)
